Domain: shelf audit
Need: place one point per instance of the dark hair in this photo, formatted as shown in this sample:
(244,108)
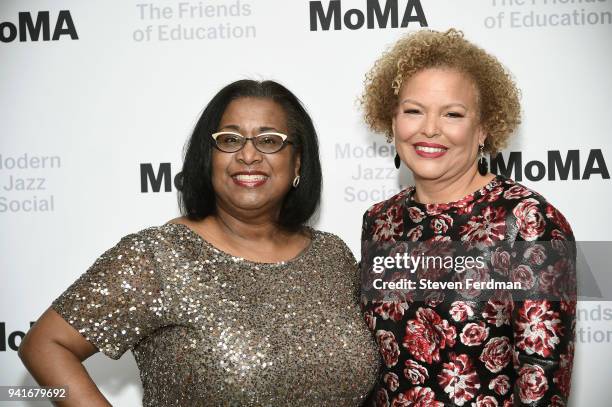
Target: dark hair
(196,195)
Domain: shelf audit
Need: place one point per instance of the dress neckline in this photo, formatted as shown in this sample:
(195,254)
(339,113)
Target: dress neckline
(314,235)
(479,193)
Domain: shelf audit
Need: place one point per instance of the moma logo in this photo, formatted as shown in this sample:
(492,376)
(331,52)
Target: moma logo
(38,28)
(572,166)
(155,180)
(377,14)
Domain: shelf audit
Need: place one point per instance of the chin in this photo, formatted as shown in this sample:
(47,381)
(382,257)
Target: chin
(248,204)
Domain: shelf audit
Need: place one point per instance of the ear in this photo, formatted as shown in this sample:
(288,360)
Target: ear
(482,135)
(393,126)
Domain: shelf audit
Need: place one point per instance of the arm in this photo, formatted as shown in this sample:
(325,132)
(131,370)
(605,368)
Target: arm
(52,351)
(116,303)
(544,324)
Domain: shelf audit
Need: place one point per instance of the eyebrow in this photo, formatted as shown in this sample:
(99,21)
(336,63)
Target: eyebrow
(261,129)
(414,102)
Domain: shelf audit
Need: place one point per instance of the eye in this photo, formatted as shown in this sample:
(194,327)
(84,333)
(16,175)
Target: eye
(228,139)
(412,111)
(269,140)
(454,115)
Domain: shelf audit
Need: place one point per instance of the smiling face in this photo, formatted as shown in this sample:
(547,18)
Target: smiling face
(436,126)
(249,180)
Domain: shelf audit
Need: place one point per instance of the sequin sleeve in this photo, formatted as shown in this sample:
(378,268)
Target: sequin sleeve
(354,268)
(118,301)
(343,255)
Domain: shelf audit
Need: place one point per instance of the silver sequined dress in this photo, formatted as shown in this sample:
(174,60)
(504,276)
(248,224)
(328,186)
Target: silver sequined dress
(209,329)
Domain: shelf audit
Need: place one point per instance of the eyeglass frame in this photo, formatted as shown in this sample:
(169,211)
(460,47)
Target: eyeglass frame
(284,137)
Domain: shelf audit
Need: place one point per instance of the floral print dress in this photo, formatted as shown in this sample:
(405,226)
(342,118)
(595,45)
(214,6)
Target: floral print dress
(461,349)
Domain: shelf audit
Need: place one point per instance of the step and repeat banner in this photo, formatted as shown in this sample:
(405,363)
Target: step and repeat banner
(98,98)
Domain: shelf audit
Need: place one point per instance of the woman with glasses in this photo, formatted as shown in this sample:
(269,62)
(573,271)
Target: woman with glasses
(237,302)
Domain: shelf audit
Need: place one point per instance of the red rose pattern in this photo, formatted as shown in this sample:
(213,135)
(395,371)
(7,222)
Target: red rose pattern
(524,275)
(535,255)
(500,260)
(497,312)
(392,381)
(417,397)
(416,215)
(427,334)
(532,383)
(388,347)
(474,334)
(414,372)
(538,328)
(370,320)
(486,228)
(415,233)
(461,311)
(529,219)
(440,223)
(485,401)
(391,309)
(500,384)
(555,216)
(388,226)
(517,192)
(497,353)
(459,379)
(453,348)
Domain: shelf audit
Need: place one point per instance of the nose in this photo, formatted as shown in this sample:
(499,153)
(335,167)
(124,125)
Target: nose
(249,154)
(430,127)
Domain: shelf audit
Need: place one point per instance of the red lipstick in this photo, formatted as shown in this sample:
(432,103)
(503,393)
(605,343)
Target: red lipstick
(250,179)
(429,150)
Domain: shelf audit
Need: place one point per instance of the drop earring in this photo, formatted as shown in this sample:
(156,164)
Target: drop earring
(483,165)
(397,161)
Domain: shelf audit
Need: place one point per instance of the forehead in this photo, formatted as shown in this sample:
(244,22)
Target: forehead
(440,84)
(254,112)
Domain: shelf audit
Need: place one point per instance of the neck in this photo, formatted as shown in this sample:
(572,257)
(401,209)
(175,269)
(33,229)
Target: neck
(451,189)
(248,228)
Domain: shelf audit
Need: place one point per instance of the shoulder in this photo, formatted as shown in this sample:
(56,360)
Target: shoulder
(382,206)
(533,213)
(333,245)
(153,238)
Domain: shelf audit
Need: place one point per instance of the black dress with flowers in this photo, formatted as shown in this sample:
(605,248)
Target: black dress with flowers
(458,347)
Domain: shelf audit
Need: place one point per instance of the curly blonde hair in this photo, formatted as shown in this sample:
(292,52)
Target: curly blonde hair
(498,96)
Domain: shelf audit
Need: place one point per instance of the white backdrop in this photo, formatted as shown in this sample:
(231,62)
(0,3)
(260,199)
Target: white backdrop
(78,117)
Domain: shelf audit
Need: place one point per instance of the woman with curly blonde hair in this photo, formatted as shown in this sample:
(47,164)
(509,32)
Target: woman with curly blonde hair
(445,102)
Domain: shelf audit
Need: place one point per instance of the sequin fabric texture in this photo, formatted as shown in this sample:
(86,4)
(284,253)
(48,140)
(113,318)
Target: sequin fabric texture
(210,329)
(463,347)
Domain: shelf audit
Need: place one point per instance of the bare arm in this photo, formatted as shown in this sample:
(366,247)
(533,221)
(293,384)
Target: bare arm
(52,351)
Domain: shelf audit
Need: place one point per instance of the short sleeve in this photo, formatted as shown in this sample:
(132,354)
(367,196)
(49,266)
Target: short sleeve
(118,301)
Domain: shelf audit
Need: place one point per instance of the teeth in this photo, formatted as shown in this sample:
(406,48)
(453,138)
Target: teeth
(430,149)
(250,178)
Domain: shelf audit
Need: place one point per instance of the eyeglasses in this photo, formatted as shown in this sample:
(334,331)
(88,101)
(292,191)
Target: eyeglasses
(267,143)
